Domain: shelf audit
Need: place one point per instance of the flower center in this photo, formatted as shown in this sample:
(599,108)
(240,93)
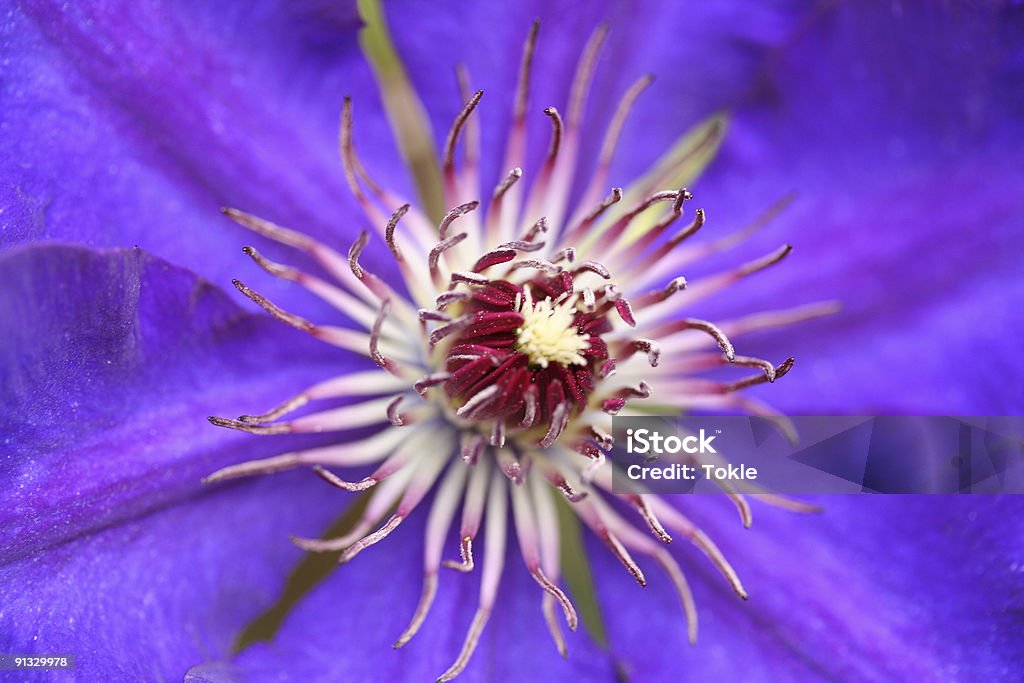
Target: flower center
(526,356)
(549,333)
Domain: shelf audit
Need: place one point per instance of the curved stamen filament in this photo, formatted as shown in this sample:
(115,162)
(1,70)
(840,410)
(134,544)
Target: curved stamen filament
(384,497)
(336,296)
(449,145)
(611,139)
(498,213)
(450,217)
(494,561)
(438,523)
(527,533)
(472,512)
(365,451)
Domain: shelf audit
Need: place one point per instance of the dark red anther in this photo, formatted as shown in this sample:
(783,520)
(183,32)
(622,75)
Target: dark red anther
(625,312)
(493,258)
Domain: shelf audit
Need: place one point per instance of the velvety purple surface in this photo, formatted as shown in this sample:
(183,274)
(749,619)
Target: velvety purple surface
(110,363)
(127,124)
(875,588)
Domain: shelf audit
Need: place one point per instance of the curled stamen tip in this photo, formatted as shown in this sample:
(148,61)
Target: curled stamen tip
(682,196)
(394,417)
(514,472)
(783,368)
(312,545)
(389,231)
(676,285)
(466,550)
(248,427)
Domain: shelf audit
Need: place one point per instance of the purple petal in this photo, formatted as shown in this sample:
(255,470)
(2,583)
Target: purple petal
(875,588)
(132,124)
(111,363)
(113,551)
(908,210)
(147,597)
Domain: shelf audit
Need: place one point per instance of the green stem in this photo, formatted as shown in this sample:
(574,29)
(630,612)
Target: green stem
(409,121)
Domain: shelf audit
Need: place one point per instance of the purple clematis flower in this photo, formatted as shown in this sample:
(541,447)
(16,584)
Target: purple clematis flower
(132,124)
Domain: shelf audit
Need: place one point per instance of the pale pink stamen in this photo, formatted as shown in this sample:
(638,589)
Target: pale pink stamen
(589,219)
(472,512)
(438,522)
(449,218)
(336,336)
(368,450)
(510,465)
(494,561)
(434,258)
(503,201)
(385,496)
(426,472)
(592,518)
(448,164)
(611,138)
(716,283)
(526,530)
(653,523)
(675,519)
(336,296)
(333,262)
(367,383)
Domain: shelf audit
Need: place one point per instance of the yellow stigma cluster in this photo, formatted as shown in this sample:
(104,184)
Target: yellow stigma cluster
(548,335)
